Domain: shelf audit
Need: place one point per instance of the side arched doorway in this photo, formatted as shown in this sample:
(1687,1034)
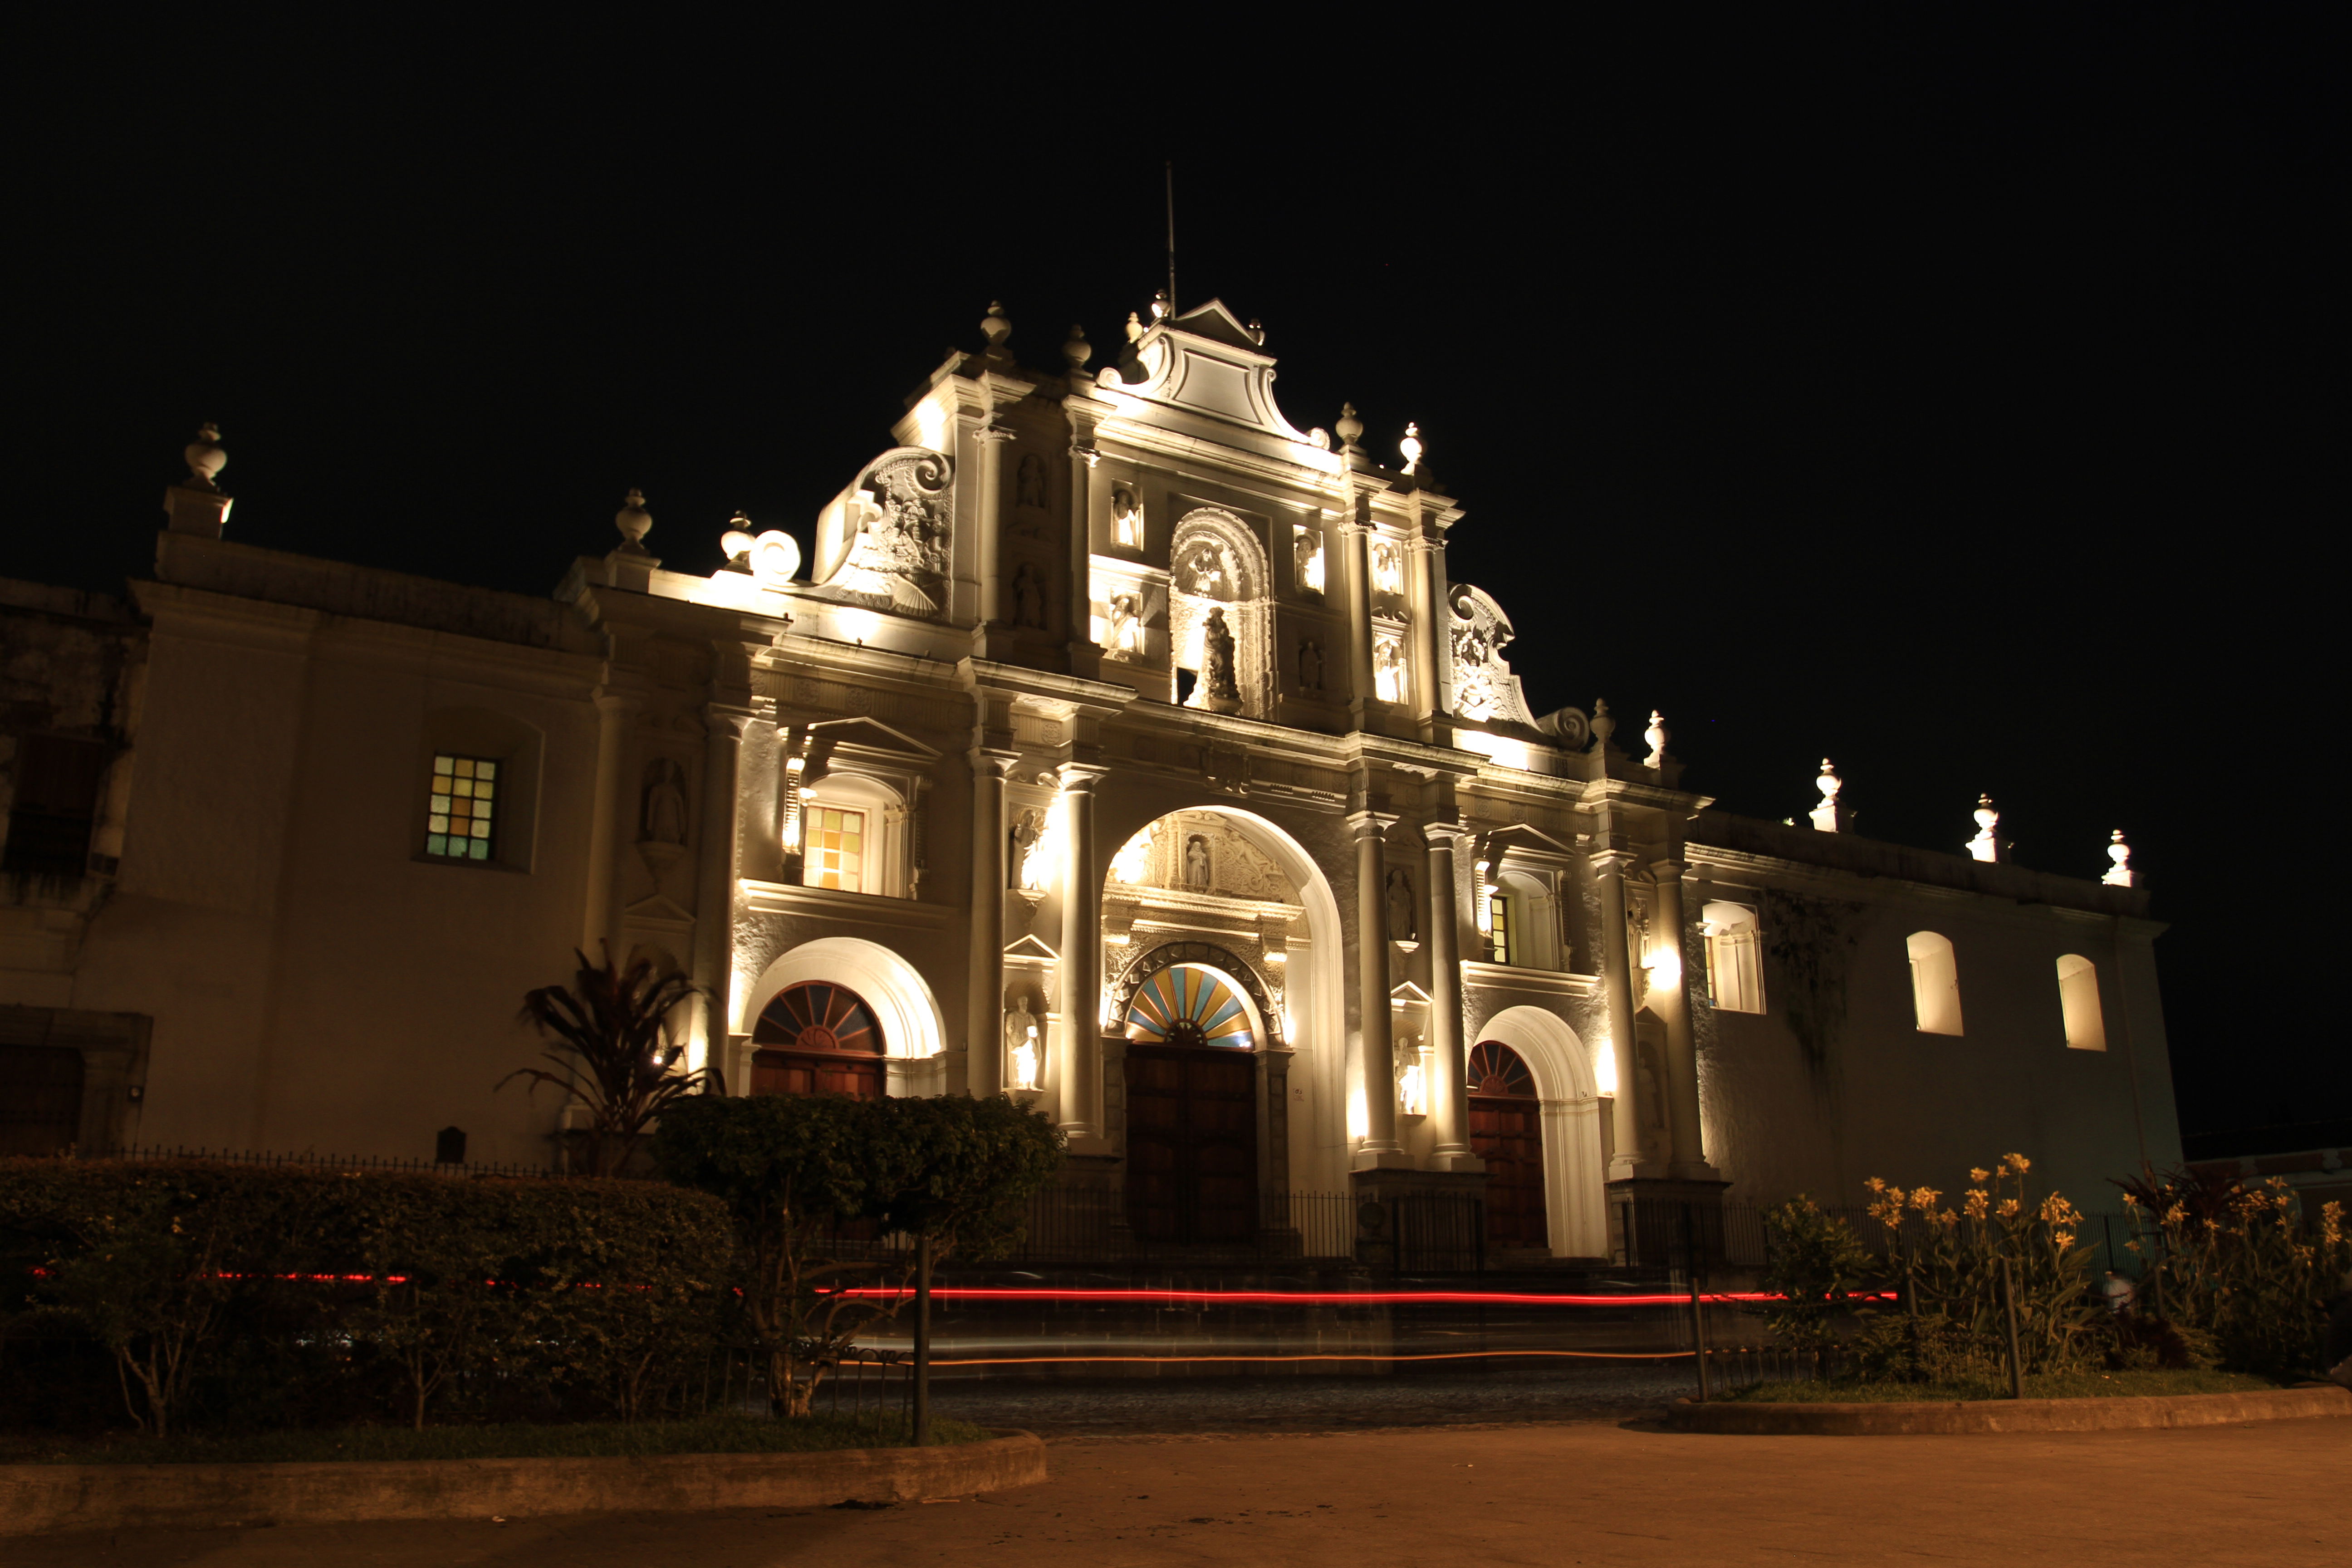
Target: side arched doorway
(817,1037)
(1507,1132)
(1192,1107)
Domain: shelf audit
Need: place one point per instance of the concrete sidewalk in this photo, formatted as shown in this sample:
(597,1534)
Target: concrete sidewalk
(1557,1494)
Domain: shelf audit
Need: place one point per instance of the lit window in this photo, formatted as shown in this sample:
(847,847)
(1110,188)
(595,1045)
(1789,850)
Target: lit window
(1935,983)
(1734,968)
(465,792)
(835,855)
(2078,998)
(1498,914)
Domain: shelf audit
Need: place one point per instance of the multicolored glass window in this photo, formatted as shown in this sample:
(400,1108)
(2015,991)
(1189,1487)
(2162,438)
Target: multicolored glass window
(464,800)
(1498,911)
(834,848)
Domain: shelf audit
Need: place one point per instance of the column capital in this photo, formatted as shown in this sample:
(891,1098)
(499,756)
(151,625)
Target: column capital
(991,432)
(726,717)
(1080,778)
(1666,868)
(1448,834)
(1084,453)
(1371,823)
(987,760)
(1613,862)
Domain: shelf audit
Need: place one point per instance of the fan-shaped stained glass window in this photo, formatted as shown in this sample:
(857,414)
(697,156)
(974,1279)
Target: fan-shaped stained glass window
(816,1015)
(1495,1068)
(1188,1005)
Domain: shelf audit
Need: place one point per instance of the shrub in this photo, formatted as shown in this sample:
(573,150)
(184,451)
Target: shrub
(1822,1271)
(2241,1269)
(294,1295)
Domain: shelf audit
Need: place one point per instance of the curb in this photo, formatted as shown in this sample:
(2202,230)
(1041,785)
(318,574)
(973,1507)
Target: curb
(39,1498)
(1915,1419)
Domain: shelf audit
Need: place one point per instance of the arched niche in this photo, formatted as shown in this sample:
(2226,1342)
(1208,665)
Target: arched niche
(901,1001)
(1216,564)
(1574,1175)
(1303,996)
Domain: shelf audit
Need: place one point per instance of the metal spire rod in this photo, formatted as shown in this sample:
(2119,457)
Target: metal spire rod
(1172,237)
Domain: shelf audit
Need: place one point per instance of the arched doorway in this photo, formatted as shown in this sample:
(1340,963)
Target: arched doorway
(1191,1106)
(817,1037)
(1506,1131)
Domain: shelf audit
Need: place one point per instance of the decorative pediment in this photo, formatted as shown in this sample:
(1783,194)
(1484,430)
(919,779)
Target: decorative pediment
(1483,687)
(659,910)
(1207,362)
(1030,950)
(1408,995)
(867,737)
(1520,837)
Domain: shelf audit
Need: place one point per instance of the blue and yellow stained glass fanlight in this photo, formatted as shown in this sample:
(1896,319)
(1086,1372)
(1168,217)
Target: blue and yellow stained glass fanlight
(1185,1005)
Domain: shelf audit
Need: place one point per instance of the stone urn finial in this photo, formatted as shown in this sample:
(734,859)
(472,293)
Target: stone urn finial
(633,521)
(204,456)
(1134,326)
(1159,306)
(1077,351)
(1826,815)
(1347,427)
(1987,845)
(1410,446)
(2120,874)
(1658,736)
(996,326)
(1603,726)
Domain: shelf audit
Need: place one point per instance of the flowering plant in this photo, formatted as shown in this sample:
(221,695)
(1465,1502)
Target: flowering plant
(2242,1265)
(1952,1260)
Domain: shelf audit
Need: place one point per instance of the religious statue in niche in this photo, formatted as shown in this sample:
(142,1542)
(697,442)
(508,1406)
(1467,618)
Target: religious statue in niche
(1221,693)
(1653,1105)
(1028,598)
(1028,864)
(1387,669)
(1029,483)
(1126,517)
(1310,666)
(1403,925)
(1196,863)
(1308,544)
(1206,570)
(664,818)
(1388,568)
(1126,625)
(1023,1053)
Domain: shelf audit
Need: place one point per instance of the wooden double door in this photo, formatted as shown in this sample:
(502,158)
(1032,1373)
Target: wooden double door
(1506,1131)
(1192,1143)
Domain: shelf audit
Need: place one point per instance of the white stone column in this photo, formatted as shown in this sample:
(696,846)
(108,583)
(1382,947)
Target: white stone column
(1449,1071)
(1431,640)
(1086,655)
(1609,868)
(608,824)
(991,510)
(1671,1001)
(714,883)
(1378,1057)
(984,1013)
(1079,1078)
(1356,541)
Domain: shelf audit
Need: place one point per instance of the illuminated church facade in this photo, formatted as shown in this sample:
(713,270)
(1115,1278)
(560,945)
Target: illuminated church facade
(1119,746)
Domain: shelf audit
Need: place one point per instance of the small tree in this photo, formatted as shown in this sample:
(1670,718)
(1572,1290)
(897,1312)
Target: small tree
(622,1059)
(1821,1271)
(795,1169)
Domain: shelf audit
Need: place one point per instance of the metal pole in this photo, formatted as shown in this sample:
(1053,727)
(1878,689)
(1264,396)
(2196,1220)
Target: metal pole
(1699,1309)
(923,1340)
(2008,1305)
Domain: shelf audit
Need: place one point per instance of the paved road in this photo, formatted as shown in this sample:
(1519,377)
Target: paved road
(1554,1494)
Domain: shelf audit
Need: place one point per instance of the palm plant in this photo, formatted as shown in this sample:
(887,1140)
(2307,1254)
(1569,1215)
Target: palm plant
(617,1050)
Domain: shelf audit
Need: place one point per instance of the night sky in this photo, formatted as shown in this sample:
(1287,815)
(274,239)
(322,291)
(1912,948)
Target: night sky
(1957,397)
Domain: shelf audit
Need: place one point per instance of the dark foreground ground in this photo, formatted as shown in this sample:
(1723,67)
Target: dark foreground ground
(1258,1481)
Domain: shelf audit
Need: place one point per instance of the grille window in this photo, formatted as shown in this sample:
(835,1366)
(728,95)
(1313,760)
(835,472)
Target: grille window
(463,808)
(836,851)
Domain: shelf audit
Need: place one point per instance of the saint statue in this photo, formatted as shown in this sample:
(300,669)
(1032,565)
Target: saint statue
(1021,1043)
(1030,486)
(1400,913)
(1028,865)
(1196,863)
(1028,599)
(1310,666)
(1217,659)
(664,818)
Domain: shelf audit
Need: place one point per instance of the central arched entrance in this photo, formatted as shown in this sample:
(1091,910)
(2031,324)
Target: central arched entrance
(817,1037)
(1191,1106)
(1506,1131)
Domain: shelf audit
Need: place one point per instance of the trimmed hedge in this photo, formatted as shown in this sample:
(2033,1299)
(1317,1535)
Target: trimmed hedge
(259,1296)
